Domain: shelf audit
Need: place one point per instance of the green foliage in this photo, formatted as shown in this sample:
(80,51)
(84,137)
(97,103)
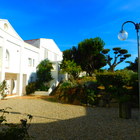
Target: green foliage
(68,91)
(70,54)
(133,65)
(14,131)
(134,83)
(71,68)
(83,92)
(105,51)
(85,79)
(44,71)
(43,87)
(119,56)
(116,49)
(3,89)
(91,97)
(120,85)
(91,93)
(116,83)
(67,84)
(87,55)
(31,88)
(118,78)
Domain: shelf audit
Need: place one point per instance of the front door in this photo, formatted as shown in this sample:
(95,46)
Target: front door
(11,81)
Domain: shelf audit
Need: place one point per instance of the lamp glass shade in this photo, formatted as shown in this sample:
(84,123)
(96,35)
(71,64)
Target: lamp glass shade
(122,35)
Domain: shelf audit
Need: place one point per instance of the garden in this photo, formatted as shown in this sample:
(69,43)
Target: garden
(87,83)
(98,87)
(106,89)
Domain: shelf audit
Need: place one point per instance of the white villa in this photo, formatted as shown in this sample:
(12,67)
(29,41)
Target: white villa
(19,58)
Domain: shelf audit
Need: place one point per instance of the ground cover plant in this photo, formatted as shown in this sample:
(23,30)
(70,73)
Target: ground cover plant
(81,91)
(12,131)
(3,89)
(101,89)
(43,78)
(122,85)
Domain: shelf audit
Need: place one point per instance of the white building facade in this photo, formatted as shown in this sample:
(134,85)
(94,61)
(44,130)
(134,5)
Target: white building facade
(19,59)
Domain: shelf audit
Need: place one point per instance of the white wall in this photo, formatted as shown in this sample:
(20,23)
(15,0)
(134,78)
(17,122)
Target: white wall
(20,53)
(14,57)
(31,54)
(54,53)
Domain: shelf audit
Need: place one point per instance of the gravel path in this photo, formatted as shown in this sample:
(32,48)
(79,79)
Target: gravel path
(56,121)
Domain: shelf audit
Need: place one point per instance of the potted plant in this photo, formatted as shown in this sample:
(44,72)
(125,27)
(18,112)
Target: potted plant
(3,87)
(125,106)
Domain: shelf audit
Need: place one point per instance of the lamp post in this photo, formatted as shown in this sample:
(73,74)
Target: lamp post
(123,36)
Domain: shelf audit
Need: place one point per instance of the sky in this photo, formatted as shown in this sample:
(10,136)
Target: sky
(69,22)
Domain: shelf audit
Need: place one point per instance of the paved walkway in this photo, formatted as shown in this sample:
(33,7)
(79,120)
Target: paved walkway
(56,121)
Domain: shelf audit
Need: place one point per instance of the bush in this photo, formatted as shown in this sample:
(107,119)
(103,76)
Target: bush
(67,84)
(116,83)
(12,131)
(67,91)
(134,83)
(91,93)
(31,88)
(44,71)
(43,87)
(117,79)
(81,92)
(3,88)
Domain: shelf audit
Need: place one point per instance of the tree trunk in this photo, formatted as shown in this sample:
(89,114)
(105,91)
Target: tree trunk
(111,68)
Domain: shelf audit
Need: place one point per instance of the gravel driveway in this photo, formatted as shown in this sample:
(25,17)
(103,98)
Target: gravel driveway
(56,121)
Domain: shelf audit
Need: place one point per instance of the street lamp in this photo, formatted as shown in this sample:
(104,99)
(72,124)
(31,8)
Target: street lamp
(123,36)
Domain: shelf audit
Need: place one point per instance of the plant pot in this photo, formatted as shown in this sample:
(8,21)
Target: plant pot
(125,110)
(1,97)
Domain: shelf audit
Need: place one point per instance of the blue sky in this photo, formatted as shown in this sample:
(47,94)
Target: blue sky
(69,22)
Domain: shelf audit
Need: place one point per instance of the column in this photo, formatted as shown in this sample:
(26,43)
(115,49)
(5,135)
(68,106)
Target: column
(2,63)
(19,84)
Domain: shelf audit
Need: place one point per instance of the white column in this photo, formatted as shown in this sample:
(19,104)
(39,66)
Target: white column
(20,75)
(2,69)
(19,84)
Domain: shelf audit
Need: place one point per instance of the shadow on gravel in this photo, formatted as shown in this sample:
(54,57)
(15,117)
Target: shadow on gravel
(97,124)
(94,126)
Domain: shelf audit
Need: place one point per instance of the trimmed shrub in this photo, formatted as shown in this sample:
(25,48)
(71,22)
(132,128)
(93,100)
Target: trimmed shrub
(41,86)
(67,92)
(30,88)
(67,84)
(117,79)
(116,84)
(82,93)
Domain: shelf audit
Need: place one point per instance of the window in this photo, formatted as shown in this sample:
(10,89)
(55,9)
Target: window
(33,62)
(7,59)
(5,26)
(29,62)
